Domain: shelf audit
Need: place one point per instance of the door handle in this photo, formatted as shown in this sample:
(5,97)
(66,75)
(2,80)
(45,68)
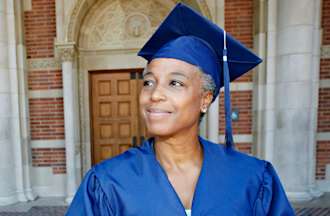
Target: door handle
(134,141)
(141,139)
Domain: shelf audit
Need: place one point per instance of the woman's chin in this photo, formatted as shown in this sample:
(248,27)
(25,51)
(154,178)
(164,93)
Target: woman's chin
(160,131)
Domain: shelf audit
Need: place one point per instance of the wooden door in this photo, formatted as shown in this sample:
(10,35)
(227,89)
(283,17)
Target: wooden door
(115,122)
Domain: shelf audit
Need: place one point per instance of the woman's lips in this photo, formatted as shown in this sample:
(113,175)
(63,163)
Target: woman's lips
(157,113)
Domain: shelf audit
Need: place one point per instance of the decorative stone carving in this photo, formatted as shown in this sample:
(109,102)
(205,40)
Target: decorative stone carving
(325,51)
(43,64)
(156,8)
(65,52)
(121,24)
(137,24)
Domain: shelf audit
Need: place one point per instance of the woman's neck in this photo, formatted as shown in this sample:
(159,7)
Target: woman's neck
(179,151)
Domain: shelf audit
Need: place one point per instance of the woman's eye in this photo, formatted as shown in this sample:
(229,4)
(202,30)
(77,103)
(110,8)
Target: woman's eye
(147,83)
(176,83)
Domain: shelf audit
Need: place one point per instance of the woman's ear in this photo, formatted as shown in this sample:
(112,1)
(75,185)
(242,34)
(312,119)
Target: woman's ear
(206,101)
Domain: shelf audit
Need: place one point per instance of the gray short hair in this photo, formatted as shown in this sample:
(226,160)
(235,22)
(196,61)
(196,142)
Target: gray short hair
(208,83)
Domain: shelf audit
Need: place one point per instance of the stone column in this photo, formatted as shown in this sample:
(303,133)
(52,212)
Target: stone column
(291,90)
(13,177)
(22,77)
(7,164)
(217,10)
(67,53)
(213,121)
(260,77)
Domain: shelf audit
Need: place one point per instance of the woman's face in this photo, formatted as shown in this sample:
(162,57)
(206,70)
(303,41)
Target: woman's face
(171,98)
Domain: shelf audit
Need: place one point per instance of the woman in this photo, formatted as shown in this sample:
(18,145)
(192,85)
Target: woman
(177,172)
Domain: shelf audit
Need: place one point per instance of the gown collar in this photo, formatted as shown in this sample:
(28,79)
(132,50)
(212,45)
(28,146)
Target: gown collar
(148,146)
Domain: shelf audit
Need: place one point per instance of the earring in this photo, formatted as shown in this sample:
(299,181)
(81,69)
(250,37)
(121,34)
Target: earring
(204,109)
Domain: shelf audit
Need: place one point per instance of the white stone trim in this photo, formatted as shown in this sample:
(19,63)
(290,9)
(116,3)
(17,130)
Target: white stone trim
(323,185)
(43,64)
(47,184)
(47,144)
(240,86)
(299,196)
(240,138)
(60,18)
(325,51)
(325,83)
(9,199)
(27,5)
(48,93)
(323,136)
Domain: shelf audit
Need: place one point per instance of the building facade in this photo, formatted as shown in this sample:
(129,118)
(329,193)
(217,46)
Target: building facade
(70,79)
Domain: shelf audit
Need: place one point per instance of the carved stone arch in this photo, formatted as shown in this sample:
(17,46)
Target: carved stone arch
(199,5)
(121,24)
(77,14)
(82,7)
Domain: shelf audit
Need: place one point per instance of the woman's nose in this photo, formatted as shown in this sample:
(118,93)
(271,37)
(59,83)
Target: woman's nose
(158,94)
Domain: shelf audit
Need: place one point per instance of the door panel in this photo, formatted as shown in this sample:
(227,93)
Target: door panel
(114,112)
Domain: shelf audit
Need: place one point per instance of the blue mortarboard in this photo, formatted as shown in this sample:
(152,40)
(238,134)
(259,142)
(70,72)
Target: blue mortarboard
(190,37)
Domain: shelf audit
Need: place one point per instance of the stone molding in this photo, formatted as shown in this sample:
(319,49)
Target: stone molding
(324,83)
(238,138)
(41,64)
(27,5)
(240,86)
(47,144)
(46,93)
(325,51)
(323,136)
(65,51)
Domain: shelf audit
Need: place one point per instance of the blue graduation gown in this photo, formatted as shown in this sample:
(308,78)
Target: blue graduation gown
(134,183)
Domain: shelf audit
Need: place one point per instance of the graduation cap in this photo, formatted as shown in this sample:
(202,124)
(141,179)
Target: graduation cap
(188,36)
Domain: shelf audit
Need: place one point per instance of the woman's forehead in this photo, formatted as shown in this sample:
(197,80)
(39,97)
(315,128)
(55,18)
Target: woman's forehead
(169,66)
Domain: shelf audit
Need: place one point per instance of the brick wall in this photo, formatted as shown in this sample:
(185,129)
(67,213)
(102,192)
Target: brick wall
(326,22)
(47,118)
(46,114)
(324,110)
(40,29)
(325,68)
(239,23)
(49,157)
(322,158)
(244,147)
(49,79)
(241,100)
(323,126)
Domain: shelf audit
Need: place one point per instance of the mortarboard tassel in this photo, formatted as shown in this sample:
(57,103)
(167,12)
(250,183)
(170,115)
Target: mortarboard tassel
(228,131)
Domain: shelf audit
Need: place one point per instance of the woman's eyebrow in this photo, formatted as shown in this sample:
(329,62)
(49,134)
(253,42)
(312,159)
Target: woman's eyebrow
(146,73)
(180,74)
(175,73)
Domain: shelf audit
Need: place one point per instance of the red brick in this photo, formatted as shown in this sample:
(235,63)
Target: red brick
(46,118)
(325,69)
(40,29)
(244,147)
(50,157)
(326,22)
(239,20)
(242,100)
(38,80)
(322,158)
(323,124)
